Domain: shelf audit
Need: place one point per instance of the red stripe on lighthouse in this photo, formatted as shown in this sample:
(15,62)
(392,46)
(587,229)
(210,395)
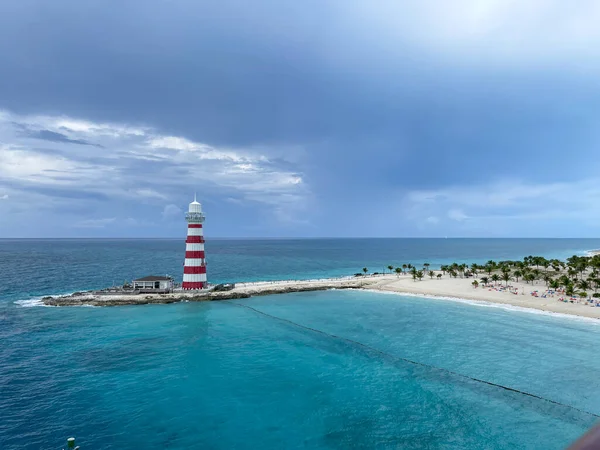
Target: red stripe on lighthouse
(194,254)
(194,269)
(195,240)
(195,225)
(193,285)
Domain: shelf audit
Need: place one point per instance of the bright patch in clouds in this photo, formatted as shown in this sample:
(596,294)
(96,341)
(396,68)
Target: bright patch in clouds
(150,193)
(497,31)
(457,214)
(79,127)
(171,211)
(20,163)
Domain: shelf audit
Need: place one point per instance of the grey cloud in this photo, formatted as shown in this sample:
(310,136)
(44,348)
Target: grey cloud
(53,136)
(58,192)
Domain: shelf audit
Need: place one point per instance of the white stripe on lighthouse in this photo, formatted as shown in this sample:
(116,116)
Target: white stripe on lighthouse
(194,247)
(194,262)
(195,232)
(194,277)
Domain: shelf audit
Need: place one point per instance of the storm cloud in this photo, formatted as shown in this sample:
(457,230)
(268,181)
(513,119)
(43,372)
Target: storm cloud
(314,118)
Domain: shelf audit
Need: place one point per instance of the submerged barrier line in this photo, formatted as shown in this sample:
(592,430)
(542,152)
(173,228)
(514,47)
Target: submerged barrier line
(416,363)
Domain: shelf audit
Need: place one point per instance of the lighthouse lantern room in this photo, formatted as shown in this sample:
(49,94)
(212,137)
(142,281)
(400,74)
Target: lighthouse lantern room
(194,268)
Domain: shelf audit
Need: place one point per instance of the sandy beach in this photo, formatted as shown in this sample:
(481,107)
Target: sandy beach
(461,288)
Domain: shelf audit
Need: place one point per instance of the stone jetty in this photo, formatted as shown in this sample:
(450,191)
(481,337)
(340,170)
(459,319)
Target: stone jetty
(241,290)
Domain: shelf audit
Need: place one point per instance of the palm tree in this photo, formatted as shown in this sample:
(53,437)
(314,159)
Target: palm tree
(403,268)
(495,278)
(547,278)
(420,275)
(545,264)
(365,270)
(596,282)
(431,274)
(439,276)
(564,280)
(582,267)
(583,285)
(485,280)
(398,271)
(506,277)
(475,283)
(426,266)
(517,274)
(537,260)
(553,284)
(529,277)
(582,294)
(390,268)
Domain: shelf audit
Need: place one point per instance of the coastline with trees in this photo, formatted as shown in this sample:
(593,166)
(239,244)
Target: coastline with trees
(567,287)
(571,286)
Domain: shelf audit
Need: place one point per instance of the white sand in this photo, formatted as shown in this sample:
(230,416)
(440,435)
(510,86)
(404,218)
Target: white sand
(461,288)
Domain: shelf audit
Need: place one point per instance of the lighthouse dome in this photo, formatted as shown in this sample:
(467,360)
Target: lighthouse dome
(195,207)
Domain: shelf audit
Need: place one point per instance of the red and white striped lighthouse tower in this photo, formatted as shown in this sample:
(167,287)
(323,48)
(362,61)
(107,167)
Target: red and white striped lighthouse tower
(194,268)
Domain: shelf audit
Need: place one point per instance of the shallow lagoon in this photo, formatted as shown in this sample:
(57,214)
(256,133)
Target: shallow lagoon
(220,375)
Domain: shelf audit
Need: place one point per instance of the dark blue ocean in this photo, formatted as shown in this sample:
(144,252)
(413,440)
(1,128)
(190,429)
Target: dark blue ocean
(324,370)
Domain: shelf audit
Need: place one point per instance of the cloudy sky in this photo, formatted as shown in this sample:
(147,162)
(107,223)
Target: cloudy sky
(300,118)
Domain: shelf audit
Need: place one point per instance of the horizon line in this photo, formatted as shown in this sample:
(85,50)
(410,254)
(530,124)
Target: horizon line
(286,237)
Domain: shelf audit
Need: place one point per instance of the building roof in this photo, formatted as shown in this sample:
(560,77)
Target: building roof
(154,278)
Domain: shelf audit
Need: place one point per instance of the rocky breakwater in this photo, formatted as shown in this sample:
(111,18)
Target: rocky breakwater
(242,291)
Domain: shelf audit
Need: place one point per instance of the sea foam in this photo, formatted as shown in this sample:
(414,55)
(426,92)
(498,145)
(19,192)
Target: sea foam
(31,302)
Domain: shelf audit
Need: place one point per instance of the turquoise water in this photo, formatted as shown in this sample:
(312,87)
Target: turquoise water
(221,376)
(67,265)
(326,370)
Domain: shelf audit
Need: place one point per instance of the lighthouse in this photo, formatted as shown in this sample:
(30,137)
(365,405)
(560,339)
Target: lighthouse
(194,268)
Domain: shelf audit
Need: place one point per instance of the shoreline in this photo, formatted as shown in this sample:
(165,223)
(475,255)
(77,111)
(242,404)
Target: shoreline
(489,304)
(457,289)
(460,289)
